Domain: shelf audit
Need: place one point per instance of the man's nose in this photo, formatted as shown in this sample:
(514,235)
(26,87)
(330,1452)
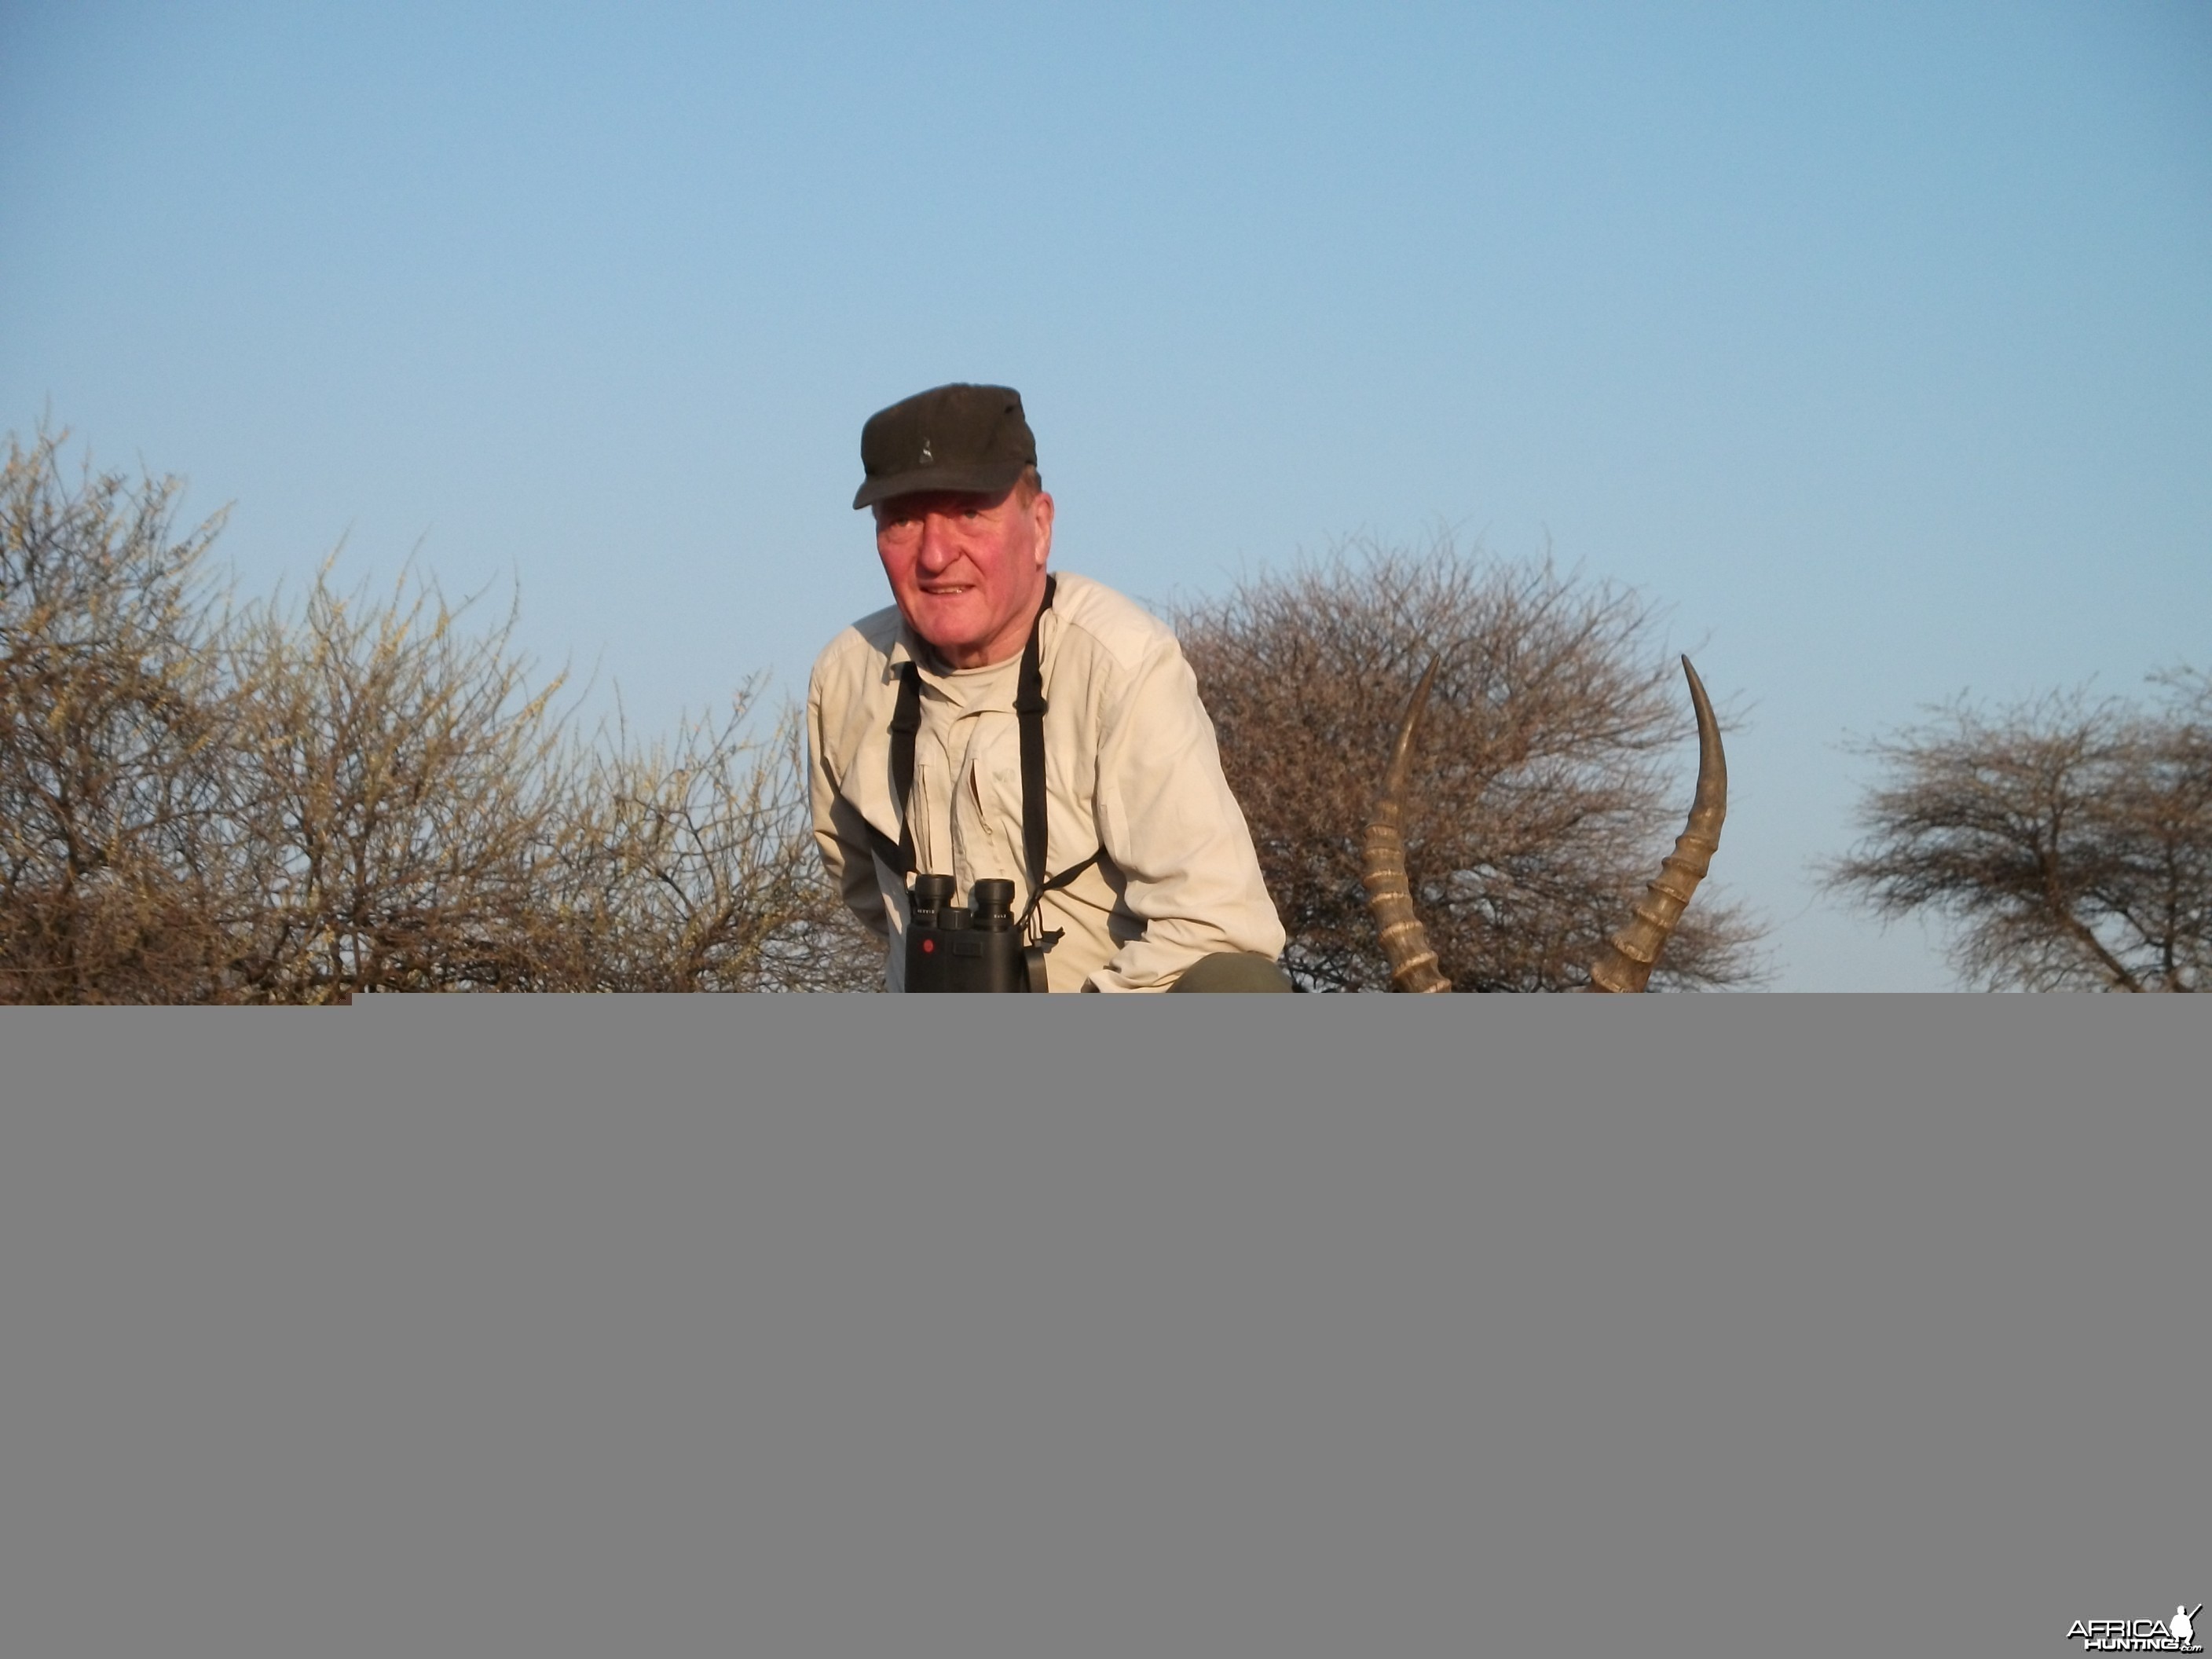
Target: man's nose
(938,546)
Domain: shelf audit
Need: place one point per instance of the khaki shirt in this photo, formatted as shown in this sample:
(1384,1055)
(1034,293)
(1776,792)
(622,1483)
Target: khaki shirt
(1130,766)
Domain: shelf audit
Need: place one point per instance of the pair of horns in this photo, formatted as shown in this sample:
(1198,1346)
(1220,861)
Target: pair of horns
(1625,962)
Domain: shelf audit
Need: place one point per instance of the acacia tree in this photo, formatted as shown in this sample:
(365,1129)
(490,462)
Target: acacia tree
(2067,840)
(1546,784)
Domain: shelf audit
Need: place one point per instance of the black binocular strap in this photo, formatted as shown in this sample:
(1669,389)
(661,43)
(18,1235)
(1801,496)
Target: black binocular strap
(1029,713)
(906,721)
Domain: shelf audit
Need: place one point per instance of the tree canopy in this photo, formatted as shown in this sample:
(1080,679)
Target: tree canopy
(2067,840)
(1551,774)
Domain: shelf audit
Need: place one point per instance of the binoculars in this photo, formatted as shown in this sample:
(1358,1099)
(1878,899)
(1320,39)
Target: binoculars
(975,948)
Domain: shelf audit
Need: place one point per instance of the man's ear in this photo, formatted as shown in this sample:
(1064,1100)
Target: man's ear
(1040,519)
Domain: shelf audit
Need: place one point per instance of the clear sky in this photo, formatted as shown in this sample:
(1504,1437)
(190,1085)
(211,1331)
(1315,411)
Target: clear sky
(1874,340)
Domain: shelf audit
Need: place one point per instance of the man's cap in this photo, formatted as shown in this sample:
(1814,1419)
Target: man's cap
(951,437)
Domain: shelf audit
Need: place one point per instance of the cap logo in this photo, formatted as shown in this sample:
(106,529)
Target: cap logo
(927,459)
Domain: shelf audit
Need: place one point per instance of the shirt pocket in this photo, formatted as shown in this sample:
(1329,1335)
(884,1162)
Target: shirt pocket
(980,802)
(996,774)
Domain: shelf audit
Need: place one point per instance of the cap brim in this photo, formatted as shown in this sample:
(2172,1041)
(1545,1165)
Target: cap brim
(994,479)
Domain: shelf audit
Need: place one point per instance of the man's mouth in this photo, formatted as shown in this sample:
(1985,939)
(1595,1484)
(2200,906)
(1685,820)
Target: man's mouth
(947,591)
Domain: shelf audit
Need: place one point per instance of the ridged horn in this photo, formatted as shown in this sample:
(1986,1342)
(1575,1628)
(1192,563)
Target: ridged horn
(1382,862)
(1626,961)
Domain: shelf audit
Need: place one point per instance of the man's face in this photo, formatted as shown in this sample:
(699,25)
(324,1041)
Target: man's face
(967,570)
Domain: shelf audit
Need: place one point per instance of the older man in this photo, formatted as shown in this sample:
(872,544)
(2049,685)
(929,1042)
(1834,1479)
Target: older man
(1052,732)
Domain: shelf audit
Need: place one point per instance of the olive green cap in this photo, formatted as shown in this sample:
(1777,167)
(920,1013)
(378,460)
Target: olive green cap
(951,437)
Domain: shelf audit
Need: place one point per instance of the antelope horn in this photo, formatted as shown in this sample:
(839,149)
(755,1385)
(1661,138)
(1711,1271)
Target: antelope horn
(1625,962)
(1383,863)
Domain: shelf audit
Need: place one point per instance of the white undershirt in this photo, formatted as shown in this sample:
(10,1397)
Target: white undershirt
(967,769)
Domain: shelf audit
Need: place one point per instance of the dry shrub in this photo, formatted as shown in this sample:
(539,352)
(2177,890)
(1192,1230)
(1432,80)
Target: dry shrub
(402,776)
(296,804)
(117,882)
(691,865)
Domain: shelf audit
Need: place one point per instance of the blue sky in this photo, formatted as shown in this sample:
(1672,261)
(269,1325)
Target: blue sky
(1875,342)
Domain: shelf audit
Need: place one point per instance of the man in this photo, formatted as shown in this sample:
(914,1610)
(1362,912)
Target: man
(1124,820)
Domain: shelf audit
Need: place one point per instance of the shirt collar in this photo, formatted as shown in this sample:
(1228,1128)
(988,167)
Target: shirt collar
(908,647)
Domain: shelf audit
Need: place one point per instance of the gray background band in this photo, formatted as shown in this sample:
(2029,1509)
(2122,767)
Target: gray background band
(1151,1326)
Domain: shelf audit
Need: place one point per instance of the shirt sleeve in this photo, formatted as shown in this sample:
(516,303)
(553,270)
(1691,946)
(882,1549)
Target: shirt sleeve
(840,832)
(1168,821)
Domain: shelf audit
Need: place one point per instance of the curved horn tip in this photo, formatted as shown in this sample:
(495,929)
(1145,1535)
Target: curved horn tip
(1697,686)
(1401,751)
(1712,759)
